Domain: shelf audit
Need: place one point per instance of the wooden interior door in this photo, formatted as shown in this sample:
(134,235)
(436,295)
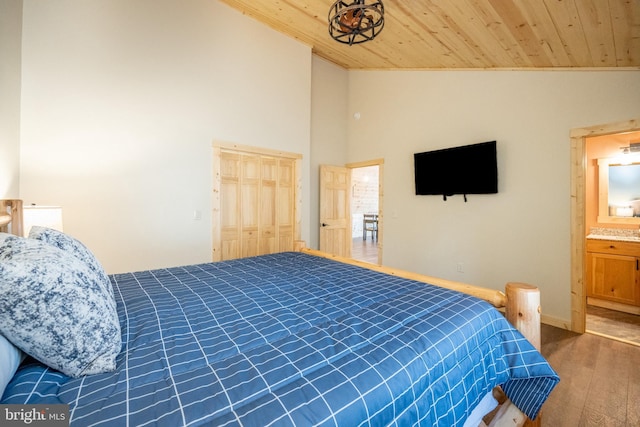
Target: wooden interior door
(255,208)
(335,210)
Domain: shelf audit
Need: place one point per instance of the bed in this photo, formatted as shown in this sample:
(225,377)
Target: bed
(294,338)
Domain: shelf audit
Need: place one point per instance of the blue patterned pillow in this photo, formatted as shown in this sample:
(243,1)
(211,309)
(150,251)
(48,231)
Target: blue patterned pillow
(55,308)
(75,247)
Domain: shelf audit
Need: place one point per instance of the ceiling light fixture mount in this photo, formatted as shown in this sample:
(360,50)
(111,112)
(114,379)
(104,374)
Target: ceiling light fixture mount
(356,22)
(633,147)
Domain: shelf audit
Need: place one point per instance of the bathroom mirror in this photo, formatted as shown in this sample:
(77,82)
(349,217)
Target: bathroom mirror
(619,191)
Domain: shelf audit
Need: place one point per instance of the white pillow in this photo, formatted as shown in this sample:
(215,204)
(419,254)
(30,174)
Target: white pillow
(55,308)
(10,358)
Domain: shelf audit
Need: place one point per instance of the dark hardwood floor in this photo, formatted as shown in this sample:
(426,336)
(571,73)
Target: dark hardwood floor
(599,380)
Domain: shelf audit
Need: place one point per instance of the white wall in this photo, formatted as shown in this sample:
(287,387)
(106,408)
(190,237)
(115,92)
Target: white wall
(523,232)
(329,97)
(10,41)
(121,101)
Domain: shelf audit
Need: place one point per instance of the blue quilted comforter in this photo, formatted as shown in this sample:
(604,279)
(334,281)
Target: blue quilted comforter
(293,339)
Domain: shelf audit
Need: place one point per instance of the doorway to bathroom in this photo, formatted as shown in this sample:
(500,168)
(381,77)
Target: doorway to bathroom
(588,144)
(612,216)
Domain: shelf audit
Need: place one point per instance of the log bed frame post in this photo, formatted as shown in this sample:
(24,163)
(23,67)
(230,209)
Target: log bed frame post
(523,310)
(11,212)
(520,301)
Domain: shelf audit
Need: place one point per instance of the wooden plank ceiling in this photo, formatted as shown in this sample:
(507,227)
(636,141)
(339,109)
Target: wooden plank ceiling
(470,34)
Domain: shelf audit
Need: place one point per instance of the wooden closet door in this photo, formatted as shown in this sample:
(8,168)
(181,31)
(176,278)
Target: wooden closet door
(230,222)
(268,206)
(257,205)
(249,212)
(286,204)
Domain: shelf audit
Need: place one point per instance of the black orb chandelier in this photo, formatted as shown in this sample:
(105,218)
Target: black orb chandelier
(356,22)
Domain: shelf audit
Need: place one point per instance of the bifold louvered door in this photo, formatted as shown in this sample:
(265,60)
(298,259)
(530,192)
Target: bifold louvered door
(254,203)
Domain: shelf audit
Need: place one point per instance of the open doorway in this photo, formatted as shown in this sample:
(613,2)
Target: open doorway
(335,226)
(365,213)
(580,226)
(612,216)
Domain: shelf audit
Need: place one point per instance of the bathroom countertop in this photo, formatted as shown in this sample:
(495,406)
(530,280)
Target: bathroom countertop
(619,234)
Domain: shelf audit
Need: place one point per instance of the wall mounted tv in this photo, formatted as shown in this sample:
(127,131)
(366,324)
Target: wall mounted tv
(468,169)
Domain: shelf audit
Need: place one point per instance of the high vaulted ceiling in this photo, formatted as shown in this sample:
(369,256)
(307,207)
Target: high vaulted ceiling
(470,34)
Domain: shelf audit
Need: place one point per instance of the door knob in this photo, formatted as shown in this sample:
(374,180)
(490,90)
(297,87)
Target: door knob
(325,224)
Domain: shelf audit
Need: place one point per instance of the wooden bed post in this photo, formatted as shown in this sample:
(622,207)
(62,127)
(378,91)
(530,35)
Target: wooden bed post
(523,310)
(11,212)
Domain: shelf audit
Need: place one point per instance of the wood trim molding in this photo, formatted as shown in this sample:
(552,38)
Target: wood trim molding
(365,163)
(230,146)
(578,138)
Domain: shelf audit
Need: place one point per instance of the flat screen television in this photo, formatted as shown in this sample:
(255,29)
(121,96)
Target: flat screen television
(467,169)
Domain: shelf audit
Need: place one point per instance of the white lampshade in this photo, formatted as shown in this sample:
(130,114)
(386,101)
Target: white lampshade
(45,216)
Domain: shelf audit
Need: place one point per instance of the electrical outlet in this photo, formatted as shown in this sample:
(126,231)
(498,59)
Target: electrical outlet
(460,267)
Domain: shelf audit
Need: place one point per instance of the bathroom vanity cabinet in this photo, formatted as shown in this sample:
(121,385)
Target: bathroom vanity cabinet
(613,274)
